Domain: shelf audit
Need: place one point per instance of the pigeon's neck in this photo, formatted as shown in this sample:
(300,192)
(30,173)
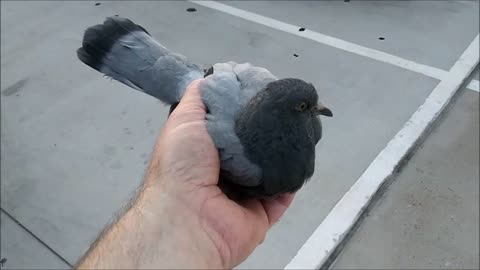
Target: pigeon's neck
(266,126)
(279,143)
(262,115)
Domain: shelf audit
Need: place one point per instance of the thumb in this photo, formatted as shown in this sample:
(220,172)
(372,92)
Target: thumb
(191,102)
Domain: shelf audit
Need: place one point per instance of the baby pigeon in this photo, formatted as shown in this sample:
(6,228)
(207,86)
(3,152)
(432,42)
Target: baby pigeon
(264,128)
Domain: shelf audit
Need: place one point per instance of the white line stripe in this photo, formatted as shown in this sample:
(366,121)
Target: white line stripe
(328,40)
(343,216)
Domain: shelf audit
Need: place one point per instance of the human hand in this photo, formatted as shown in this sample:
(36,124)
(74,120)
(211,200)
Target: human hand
(185,170)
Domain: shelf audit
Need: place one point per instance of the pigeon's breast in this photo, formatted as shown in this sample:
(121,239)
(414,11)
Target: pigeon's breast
(283,147)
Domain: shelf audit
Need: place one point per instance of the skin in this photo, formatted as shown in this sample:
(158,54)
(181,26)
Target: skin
(180,218)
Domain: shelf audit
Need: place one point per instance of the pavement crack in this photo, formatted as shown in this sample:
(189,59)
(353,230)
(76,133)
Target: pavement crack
(37,238)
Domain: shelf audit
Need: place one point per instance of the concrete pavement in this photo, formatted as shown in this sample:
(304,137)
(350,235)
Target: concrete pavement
(75,145)
(429,217)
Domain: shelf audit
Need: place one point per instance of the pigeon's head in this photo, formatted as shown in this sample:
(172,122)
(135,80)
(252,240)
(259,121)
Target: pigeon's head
(296,98)
(279,129)
(285,106)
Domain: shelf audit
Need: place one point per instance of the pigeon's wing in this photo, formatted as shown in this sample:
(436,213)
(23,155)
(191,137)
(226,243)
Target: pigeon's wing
(252,79)
(126,52)
(225,93)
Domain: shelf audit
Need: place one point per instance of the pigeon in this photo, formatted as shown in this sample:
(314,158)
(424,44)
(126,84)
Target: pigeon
(264,128)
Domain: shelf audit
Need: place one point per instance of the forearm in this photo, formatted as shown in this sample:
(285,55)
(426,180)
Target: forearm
(154,233)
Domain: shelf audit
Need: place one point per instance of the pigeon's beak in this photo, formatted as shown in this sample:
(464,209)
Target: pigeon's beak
(321,109)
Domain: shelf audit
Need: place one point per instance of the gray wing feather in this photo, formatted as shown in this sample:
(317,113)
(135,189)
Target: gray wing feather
(225,93)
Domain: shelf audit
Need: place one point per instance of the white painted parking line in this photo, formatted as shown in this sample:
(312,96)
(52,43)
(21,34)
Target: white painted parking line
(331,232)
(332,41)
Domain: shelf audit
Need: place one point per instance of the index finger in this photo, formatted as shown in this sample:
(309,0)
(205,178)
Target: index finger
(276,207)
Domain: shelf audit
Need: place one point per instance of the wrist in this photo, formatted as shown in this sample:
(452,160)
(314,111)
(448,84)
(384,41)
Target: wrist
(185,241)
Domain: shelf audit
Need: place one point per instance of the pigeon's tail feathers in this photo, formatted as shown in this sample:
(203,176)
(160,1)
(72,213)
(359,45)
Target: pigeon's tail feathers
(94,62)
(127,53)
(99,40)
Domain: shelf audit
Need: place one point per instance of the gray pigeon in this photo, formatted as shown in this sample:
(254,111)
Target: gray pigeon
(264,128)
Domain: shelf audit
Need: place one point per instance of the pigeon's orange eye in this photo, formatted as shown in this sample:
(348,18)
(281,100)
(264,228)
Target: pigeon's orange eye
(301,107)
